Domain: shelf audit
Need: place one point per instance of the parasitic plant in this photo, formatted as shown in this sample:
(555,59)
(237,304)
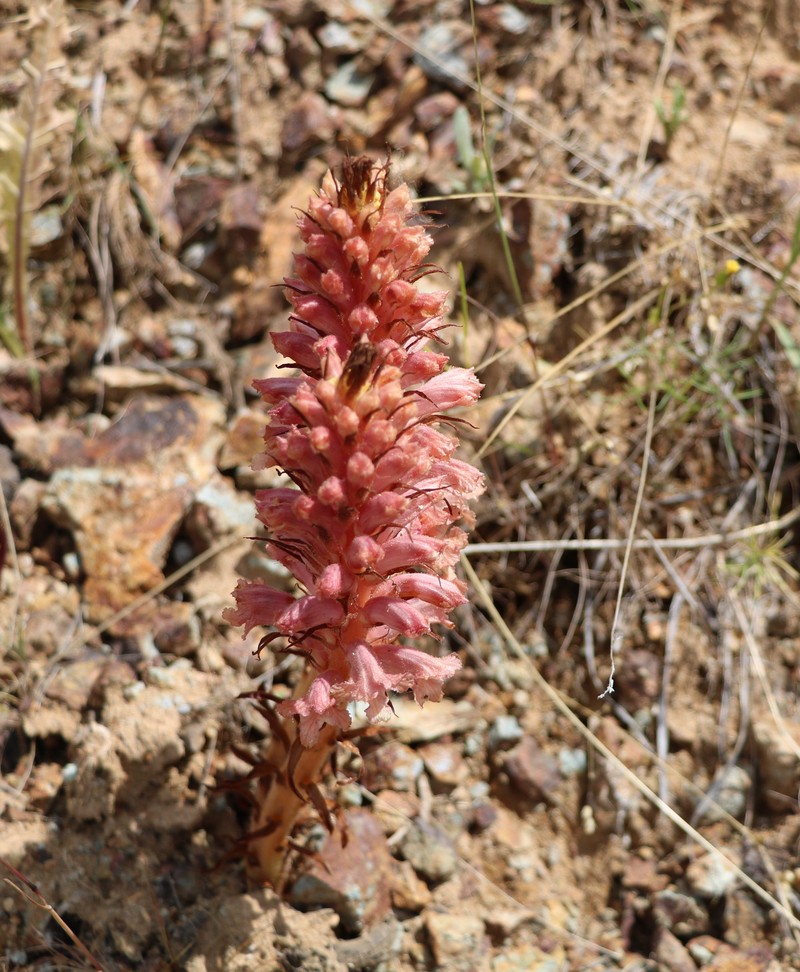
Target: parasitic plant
(368,530)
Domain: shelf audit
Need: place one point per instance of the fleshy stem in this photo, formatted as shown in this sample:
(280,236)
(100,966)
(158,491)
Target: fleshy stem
(283,794)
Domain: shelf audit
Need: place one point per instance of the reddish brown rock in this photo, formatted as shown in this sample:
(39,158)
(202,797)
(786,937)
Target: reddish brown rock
(671,954)
(351,873)
(125,498)
(531,771)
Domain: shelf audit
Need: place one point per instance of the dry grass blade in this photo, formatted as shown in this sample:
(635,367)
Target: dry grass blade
(658,86)
(616,631)
(38,899)
(23,139)
(705,542)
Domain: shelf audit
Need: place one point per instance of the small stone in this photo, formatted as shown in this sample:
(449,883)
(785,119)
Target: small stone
(527,958)
(338,38)
(744,920)
(504,730)
(375,949)
(704,948)
(643,875)
(347,86)
(430,852)
(778,765)
(792,131)
(252,18)
(730,797)
(243,440)
(73,682)
(395,810)
(457,941)
(51,719)
(445,764)
(451,64)
(501,923)
(639,682)
(532,771)
(127,493)
(679,913)
(353,879)
(239,219)
(176,628)
(46,226)
(572,762)
(218,509)
(483,817)
(709,876)
(430,112)
(512,19)
(9,473)
(670,954)
(409,892)
(392,766)
(24,510)
(306,123)
(43,784)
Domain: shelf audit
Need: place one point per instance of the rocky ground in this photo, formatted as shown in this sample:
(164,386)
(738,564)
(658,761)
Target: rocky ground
(641,385)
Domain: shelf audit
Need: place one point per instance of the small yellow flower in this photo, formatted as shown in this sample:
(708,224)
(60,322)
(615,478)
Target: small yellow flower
(732,267)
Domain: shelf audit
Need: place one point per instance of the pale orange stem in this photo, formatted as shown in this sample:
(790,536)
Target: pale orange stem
(281,797)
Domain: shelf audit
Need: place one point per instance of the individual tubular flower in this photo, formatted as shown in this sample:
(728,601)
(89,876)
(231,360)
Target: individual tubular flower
(369,531)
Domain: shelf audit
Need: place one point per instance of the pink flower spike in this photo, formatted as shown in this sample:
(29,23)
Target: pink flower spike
(369,528)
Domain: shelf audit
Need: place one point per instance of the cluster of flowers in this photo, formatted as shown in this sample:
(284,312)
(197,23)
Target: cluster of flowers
(369,531)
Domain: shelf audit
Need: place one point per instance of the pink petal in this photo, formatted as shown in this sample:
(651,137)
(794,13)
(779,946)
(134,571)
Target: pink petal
(310,612)
(417,670)
(257,604)
(456,386)
(396,614)
(316,709)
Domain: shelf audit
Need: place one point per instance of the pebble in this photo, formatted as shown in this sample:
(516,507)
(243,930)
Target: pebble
(439,40)
(378,948)
(347,86)
(409,892)
(512,19)
(457,941)
(778,766)
(430,112)
(392,766)
(526,958)
(642,874)
(355,879)
(252,18)
(46,226)
(337,38)
(671,954)
(307,122)
(430,852)
(679,913)
(731,796)
(709,876)
(744,920)
(572,762)
(532,771)
(504,730)
(444,764)
(395,810)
